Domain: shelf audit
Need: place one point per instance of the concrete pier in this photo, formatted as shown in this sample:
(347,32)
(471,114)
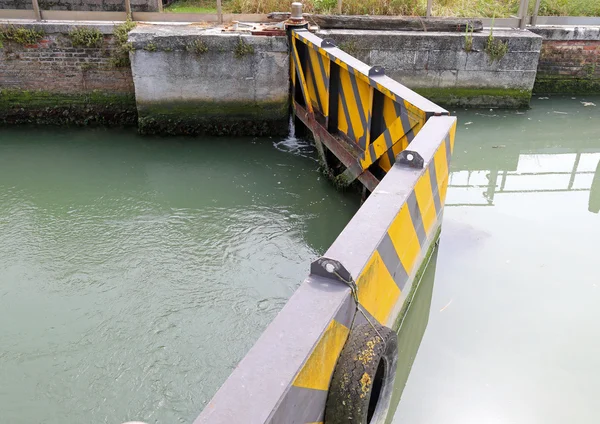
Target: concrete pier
(193,80)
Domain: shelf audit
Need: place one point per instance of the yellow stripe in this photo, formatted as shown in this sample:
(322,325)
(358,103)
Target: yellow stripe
(377,291)
(319,79)
(312,94)
(302,80)
(425,199)
(441,171)
(342,123)
(351,104)
(452,134)
(415,115)
(404,238)
(317,371)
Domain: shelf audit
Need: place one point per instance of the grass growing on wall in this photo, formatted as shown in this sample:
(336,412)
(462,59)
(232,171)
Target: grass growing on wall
(460,8)
(86,37)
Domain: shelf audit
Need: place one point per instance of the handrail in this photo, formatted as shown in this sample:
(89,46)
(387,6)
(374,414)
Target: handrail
(521,20)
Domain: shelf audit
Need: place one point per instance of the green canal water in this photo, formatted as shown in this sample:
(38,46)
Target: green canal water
(136,272)
(507,328)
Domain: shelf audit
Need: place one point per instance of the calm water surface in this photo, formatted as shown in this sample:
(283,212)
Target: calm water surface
(513,333)
(136,272)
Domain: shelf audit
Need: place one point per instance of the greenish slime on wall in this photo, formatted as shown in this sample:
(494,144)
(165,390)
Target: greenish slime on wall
(477,97)
(44,107)
(558,84)
(214,118)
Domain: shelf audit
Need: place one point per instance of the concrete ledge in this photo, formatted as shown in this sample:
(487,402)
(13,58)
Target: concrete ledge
(567,33)
(440,65)
(57,27)
(193,80)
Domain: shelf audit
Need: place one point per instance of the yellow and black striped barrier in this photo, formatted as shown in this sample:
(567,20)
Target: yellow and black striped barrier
(399,146)
(353,110)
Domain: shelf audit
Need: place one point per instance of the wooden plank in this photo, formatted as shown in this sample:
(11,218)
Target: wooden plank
(197,17)
(82,15)
(398,23)
(36,10)
(128,8)
(17,14)
(501,22)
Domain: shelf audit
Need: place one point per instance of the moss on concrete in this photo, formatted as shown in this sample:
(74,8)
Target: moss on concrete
(214,118)
(550,84)
(43,107)
(477,97)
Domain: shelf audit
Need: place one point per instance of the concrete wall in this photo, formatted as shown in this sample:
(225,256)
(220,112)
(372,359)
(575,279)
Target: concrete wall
(88,5)
(569,61)
(438,66)
(191,80)
(53,81)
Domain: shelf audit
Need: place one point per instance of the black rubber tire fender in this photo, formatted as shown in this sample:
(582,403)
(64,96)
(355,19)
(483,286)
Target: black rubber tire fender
(363,379)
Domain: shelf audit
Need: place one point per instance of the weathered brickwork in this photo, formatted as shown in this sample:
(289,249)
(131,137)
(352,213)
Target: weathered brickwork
(578,59)
(59,79)
(55,64)
(569,61)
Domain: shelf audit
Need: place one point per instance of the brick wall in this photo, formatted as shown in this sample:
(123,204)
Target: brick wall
(57,75)
(569,61)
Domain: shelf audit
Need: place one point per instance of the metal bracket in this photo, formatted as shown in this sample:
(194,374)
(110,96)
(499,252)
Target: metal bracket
(327,42)
(330,268)
(410,158)
(376,71)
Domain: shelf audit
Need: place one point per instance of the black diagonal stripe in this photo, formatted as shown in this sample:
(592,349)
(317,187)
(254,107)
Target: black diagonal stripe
(434,187)
(388,138)
(346,113)
(410,135)
(448,153)
(300,74)
(403,115)
(392,262)
(415,215)
(361,112)
(314,83)
(322,66)
(373,153)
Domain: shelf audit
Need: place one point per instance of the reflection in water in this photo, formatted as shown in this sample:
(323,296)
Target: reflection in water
(595,192)
(411,331)
(513,333)
(532,172)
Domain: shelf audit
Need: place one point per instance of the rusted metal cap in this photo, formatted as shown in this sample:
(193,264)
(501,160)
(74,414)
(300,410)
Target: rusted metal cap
(296,11)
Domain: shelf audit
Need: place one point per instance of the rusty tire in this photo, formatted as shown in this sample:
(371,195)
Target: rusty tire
(363,379)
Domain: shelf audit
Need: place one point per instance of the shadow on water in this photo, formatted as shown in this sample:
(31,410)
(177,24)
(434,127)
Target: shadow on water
(411,331)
